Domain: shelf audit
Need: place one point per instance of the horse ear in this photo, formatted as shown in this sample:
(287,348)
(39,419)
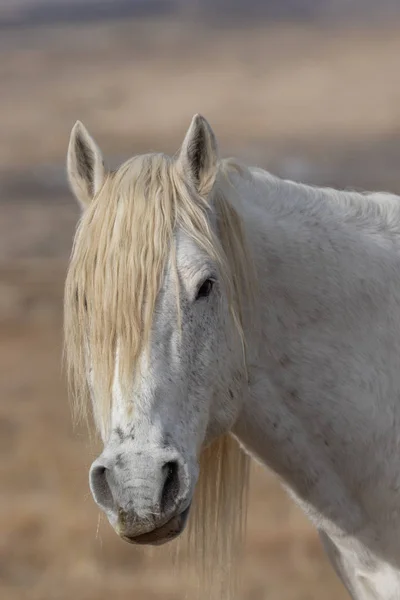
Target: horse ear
(85,165)
(198,157)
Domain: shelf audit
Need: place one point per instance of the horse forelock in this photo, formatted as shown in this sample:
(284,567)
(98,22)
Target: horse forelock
(120,251)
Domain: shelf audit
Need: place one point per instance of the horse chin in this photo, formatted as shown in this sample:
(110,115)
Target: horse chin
(161,535)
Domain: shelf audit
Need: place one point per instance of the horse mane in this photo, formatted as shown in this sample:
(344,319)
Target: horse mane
(120,251)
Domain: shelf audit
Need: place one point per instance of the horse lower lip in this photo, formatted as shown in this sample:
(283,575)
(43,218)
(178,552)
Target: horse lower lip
(163,534)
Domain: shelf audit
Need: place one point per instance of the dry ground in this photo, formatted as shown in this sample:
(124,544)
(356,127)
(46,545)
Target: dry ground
(266,91)
(136,85)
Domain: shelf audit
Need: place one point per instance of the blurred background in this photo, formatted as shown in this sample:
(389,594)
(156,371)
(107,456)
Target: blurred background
(309,89)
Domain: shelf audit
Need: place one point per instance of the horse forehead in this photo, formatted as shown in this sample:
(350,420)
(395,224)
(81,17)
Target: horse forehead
(189,255)
(185,245)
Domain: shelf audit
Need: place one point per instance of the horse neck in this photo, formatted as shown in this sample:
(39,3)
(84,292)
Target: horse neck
(300,415)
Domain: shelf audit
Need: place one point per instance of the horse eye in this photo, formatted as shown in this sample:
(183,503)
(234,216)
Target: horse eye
(205,289)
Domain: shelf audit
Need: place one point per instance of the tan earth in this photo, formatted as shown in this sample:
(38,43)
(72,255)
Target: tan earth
(266,91)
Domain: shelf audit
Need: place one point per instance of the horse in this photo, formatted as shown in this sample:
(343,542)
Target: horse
(214,314)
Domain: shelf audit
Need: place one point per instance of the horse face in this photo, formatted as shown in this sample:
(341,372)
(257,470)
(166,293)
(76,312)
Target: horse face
(183,397)
(184,389)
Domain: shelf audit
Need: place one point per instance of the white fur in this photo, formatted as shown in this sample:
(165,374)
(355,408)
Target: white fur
(322,406)
(325,382)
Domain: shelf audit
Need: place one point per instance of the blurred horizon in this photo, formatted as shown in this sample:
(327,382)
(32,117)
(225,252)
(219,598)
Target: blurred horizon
(16,13)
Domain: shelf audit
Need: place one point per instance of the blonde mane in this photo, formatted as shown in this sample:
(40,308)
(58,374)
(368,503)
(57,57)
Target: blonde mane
(121,247)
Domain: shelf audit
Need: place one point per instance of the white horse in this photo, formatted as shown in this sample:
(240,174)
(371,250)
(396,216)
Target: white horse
(211,308)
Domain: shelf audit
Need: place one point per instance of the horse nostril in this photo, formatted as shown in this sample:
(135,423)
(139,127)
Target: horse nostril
(99,485)
(171,486)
